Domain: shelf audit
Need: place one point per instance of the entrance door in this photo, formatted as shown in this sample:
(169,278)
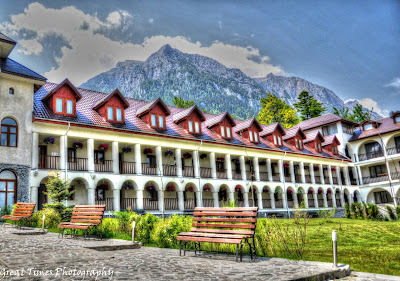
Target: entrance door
(42,198)
(8,188)
(42,156)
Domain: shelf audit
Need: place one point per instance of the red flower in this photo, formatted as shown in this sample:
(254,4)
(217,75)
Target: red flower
(103,147)
(189,188)
(206,188)
(170,188)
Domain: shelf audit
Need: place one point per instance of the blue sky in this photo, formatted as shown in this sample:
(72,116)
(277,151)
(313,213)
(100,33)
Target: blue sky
(350,47)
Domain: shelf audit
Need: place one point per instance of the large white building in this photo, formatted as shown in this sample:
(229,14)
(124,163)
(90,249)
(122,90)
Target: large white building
(124,152)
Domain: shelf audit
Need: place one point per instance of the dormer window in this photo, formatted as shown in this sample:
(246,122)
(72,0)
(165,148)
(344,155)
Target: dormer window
(65,106)
(397,119)
(277,140)
(368,127)
(194,127)
(157,121)
(223,131)
(115,114)
(197,127)
(318,147)
(335,150)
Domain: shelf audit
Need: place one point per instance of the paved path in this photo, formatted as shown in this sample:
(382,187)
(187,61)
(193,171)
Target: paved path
(45,257)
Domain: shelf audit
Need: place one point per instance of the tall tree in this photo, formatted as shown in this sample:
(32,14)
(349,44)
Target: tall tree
(273,110)
(343,112)
(359,115)
(308,106)
(180,102)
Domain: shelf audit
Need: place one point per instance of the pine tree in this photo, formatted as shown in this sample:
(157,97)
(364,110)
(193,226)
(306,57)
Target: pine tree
(359,115)
(308,106)
(179,102)
(58,192)
(273,110)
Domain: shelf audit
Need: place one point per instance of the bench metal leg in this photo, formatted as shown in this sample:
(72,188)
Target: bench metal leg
(180,247)
(237,252)
(184,251)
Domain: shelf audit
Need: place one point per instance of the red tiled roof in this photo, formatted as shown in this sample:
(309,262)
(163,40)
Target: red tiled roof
(150,105)
(292,132)
(186,113)
(269,129)
(330,139)
(323,120)
(108,97)
(62,84)
(311,136)
(218,118)
(386,125)
(242,125)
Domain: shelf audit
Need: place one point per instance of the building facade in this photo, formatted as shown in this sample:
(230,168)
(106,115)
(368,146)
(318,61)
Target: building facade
(148,156)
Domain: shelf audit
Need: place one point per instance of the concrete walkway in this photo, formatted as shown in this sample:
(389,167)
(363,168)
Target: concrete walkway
(45,257)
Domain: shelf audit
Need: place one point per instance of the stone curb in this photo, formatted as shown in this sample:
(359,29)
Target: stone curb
(377,276)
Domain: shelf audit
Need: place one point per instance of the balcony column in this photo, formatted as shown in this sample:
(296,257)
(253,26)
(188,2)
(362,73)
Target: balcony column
(259,200)
(115,158)
(281,173)
(199,201)
(256,167)
(321,173)
(242,167)
(91,194)
(63,148)
(388,169)
(246,199)
(346,175)
(305,199)
(272,198)
(291,168)
(295,201)
(228,166)
(359,175)
(302,172)
(138,159)
(330,174)
(160,201)
(196,164)
(339,178)
(181,203)
(269,170)
(312,173)
(139,195)
(325,196)
(34,195)
(333,199)
(215,197)
(213,165)
(116,200)
(342,201)
(284,199)
(315,196)
(355,175)
(160,167)
(231,196)
(178,157)
(90,155)
(35,150)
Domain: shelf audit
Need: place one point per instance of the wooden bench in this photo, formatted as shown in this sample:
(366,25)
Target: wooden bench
(22,211)
(222,225)
(84,217)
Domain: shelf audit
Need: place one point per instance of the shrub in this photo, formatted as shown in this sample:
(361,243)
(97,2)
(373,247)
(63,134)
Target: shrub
(346,210)
(364,205)
(165,232)
(52,220)
(391,214)
(326,214)
(398,211)
(353,210)
(229,204)
(144,227)
(58,192)
(373,211)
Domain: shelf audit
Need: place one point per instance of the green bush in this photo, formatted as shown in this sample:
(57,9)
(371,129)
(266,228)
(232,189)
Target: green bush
(165,232)
(398,211)
(346,210)
(373,212)
(144,227)
(353,210)
(391,214)
(52,219)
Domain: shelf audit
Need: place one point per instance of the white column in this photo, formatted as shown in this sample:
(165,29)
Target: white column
(325,196)
(272,197)
(333,199)
(196,164)
(63,145)
(139,195)
(116,200)
(91,195)
(330,175)
(215,197)
(259,200)
(285,205)
(312,173)
(281,173)
(305,199)
(213,165)
(178,157)
(115,158)
(291,168)
(228,166)
(315,196)
(321,174)
(181,204)
(246,199)
(295,201)
(302,172)
(34,195)
(256,167)
(355,175)
(342,202)
(160,167)
(346,176)
(269,170)
(35,150)
(231,196)
(160,201)
(198,199)
(138,159)
(339,178)
(90,155)
(242,167)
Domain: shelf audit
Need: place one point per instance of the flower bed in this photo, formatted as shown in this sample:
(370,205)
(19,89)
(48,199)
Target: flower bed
(48,140)
(103,147)
(207,188)
(170,188)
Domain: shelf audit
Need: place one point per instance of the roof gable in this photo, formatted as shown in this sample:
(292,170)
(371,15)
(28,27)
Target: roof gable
(65,83)
(218,119)
(293,132)
(187,112)
(312,136)
(246,124)
(269,129)
(104,100)
(332,139)
(147,107)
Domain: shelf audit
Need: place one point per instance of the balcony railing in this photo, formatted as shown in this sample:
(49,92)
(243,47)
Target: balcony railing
(263,176)
(208,202)
(370,155)
(335,181)
(311,203)
(169,170)
(297,178)
(150,204)
(380,178)
(266,203)
(221,174)
(308,179)
(109,202)
(353,182)
(128,202)
(392,150)
(149,170)
(327,180)
(249,176)
(321,203)
(338,203)
(278,204)
(205,173)
(127,167)
(171,203)
(395,176)
(103,166)
(329,203)
(290,204)
(317,179)
(240,202)
(276,177)
(189,203)
(236,176)
(288,179)
(49,162)
(77,164)
(188,172)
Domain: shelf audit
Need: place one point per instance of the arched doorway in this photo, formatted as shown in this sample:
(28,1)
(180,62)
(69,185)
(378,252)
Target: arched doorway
(8,188)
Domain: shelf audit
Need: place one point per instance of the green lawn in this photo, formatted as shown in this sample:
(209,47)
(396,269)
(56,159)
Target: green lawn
(369,246)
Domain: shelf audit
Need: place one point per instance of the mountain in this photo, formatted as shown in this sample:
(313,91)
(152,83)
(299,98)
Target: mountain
(352,103)
(214,87)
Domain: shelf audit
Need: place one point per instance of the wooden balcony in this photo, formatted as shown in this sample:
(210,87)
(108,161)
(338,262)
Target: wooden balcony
(335,181)
(188,172)
(49,162)
(327,181)
(308,179)
(240,202)
(288,179)
(169,170)
(392,150)
(171,204)
(128,202)
(109,202)
(249,176)
(311,203)
(126,167)
(263,176)
(149,170)
(205,173)
(297,178)
(278,204)
(381,178)
(77,164)
(317,179)
(221,174)
(276,177)
(290,204)
(189,204)
(150,204)
(266,203)
(105,166)
(370,155)
(208,202)
(338,203)
(236,176)
(321,203)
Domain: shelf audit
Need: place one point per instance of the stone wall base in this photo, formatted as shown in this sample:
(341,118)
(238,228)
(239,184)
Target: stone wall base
(22,173)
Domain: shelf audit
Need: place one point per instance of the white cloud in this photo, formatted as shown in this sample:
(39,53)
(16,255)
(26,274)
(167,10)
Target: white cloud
(373,105)
(220,24)
(151,20)
(30,47)
(395,83)
(89,52)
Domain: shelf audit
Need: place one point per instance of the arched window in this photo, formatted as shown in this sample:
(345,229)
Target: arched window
(11,91)
(8,188)
(9,132)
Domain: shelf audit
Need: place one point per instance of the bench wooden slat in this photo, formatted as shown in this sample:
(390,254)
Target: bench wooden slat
(226,231)
(215,240)
(213,235)
(87,214)
(85,217)
(90,210)
(21,211)
(225,214)
(225,219)
(235,209)
(248,226)
(87,221)
(89,206)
